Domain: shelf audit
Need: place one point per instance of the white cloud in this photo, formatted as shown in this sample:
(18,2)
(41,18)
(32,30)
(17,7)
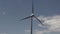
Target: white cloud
(51,22)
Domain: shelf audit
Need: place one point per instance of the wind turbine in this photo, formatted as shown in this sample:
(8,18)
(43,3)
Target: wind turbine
(32,16)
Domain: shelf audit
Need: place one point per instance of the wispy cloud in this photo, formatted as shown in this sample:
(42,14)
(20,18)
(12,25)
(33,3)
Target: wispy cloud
(4,13)
(3,33)
(27,31)
(52,23)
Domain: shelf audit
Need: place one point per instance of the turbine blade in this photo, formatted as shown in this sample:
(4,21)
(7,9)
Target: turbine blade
(26,18)
(32,7)
(38,20)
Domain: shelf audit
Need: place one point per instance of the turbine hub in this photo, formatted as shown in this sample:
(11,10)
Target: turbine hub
(32,14)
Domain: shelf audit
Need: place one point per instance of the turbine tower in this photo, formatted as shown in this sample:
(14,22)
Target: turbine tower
(32,16)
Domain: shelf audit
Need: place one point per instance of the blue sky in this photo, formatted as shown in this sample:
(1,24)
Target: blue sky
(13,10)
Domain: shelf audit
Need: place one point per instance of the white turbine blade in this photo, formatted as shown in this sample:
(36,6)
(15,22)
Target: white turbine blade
(26,18)
(38,20)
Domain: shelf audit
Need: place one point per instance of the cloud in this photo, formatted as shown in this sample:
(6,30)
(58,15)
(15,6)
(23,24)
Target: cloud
(3,33)
(52,23)
(27,31)
(4,13)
